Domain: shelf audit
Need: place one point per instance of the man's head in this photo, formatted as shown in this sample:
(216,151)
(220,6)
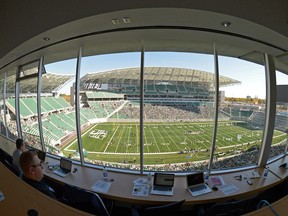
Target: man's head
(31,165)
(20,144)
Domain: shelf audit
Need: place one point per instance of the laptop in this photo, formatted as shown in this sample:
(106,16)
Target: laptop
(41,155)
(65,167)
(196,185)
(163,184)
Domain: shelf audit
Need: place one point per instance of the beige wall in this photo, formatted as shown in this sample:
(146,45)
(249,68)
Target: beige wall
(7,145)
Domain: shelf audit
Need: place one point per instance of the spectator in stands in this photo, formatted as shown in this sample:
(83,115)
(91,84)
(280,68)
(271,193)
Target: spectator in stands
(33,172)
(20,147)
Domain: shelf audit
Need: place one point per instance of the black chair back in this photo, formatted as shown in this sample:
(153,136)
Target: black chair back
(84,200)
(165,210)
(5,156)
(7,161)
(12,168)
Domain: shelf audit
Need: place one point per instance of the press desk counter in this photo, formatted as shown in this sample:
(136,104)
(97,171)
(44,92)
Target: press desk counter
(19,197)
(122,186)
(282,173)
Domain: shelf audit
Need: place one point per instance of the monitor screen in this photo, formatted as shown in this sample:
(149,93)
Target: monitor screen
(163,179)
(196,178)
(65,163)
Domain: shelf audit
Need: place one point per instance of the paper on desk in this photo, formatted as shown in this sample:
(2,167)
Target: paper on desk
(101,186)
(253,175)
(140,190)
(140,181)
(228,189)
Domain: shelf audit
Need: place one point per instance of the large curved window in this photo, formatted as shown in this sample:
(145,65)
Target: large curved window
(178,117)
(153,110)
(109,108)
(241,113)
(27,78)
(58,108)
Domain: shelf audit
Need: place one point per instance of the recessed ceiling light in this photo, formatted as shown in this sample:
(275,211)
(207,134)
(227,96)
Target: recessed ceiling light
(115,21)
(46,38)
(226,24)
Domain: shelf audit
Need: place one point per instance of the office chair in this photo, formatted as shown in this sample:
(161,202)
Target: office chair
(84,200)
(5,159)
(169,209)
(12,168)
(5,156)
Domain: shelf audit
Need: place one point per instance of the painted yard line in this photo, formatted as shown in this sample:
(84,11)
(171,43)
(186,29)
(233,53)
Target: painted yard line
(168,135)
(160,135)
(154,139)
(190,139)
(177,146)
(137,139)
(109,142)
(129,134)
(120,138)
(145,141)
(174,142)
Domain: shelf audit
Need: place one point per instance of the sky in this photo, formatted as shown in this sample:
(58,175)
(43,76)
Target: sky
(251,75)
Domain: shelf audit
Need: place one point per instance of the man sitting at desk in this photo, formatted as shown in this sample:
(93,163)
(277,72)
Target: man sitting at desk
(33,172)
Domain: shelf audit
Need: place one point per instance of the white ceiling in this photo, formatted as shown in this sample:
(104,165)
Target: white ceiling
(186,25)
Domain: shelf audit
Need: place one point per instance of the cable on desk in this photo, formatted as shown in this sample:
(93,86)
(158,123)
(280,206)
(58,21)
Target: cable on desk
(263,203)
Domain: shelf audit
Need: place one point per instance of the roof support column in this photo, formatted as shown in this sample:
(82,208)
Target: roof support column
(216,104)
(77,106)
(142,108)
(270,113)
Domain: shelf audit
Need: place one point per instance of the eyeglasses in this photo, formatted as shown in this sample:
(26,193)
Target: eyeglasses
(36,165)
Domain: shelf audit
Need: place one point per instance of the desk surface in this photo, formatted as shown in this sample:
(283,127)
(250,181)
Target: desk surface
(20,197)
(122,186)
(282,173)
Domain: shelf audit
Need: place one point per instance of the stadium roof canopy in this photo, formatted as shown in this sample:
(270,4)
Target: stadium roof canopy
(156,75)
(50,83)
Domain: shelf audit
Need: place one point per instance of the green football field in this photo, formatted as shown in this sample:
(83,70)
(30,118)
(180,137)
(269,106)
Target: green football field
(120,141)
